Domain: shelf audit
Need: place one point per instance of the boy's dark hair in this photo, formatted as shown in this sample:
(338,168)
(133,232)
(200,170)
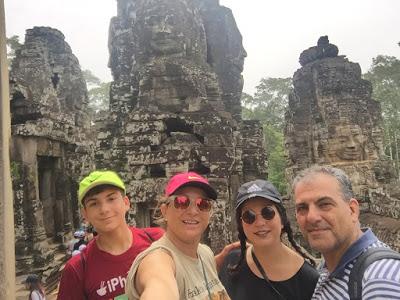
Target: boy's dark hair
(99,189)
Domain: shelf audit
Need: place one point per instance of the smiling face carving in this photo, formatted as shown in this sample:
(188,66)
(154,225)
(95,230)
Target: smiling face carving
(169,28)
(348,143)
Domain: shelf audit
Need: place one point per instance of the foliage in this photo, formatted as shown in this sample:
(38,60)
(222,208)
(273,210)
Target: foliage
(90,78)
(15,168)
(13,45)
(98,91)
(384,75)
(276,158)
(99,96)
(268,105)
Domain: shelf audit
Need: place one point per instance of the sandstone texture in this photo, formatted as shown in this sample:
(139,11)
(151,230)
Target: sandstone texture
(332,120)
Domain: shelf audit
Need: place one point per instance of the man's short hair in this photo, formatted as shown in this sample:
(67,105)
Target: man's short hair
(340,176)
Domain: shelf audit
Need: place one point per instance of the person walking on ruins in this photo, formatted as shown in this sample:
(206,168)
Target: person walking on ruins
(328,216)
(81,240)
(267,269)
(178,266)
(99,272)
(34,285)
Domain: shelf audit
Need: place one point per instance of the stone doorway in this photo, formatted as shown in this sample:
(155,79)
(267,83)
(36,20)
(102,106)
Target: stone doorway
(52,209)
(144,215)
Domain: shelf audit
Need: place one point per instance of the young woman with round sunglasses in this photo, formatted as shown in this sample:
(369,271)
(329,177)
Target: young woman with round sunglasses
(177,266)
(268,268)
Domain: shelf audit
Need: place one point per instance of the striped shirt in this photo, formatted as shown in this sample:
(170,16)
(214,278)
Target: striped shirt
(381,280)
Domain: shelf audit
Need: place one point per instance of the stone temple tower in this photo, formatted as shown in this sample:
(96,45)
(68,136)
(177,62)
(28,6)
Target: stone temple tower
(51,147)
(172,109)
(332,120)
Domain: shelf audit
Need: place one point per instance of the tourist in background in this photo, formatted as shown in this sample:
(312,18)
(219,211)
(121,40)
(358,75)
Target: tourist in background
(71,243)
(267,269)
(34,285)
(328,217)
(81,240)
(178,266)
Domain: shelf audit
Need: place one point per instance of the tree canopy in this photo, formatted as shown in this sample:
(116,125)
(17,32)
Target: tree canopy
(13,45)
(98,91)
(384,75)
(268,105)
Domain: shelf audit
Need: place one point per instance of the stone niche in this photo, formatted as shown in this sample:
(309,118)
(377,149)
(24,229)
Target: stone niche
(175,105)
(51,147)
(332,120)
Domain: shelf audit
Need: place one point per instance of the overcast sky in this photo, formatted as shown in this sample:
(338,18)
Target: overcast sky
(274,32)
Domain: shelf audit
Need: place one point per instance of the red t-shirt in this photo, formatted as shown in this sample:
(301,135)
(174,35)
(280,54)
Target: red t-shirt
(102,276)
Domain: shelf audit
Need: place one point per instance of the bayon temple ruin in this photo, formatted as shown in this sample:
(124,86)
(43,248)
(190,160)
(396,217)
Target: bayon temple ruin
(51,146)
(332,120)
(175,106)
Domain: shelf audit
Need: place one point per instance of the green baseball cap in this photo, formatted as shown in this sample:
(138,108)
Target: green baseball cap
(97,178)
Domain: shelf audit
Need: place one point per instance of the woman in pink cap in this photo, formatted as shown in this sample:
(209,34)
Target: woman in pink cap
(178,266)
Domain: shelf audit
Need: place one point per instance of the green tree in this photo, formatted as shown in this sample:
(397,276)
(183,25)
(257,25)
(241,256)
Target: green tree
(13,45)
(90,78)
(98,91)
(384,75)
(99,96)
(268,105)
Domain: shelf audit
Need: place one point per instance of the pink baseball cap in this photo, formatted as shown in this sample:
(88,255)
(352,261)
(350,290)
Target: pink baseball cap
(190,179)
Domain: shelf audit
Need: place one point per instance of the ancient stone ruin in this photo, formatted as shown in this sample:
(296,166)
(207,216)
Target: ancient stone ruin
(175,105)
(51,146)
(332,120)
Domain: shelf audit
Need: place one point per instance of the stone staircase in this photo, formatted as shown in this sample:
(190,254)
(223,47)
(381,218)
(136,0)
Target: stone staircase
(50,275)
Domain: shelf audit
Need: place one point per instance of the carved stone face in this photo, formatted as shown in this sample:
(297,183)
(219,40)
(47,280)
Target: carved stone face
(349,142)
(164,33)
(169,27)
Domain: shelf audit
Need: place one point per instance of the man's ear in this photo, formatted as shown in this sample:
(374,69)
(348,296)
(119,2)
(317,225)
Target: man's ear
(83,212)
(354,208)
(127,201)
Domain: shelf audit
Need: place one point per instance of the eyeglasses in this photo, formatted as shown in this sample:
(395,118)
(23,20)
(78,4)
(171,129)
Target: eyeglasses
(249,216)
(183,202)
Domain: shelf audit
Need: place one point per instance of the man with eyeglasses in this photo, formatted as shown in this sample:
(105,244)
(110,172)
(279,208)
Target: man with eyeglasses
(328,216)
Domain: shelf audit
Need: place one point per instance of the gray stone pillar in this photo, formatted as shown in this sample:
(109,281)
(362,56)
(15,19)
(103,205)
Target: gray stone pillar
(7,254)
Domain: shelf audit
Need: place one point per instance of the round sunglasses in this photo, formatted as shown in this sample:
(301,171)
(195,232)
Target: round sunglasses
(183,202)
(249,216)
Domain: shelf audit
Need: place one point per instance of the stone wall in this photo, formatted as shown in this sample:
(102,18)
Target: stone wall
(51,146)
(174,108)
(332,120)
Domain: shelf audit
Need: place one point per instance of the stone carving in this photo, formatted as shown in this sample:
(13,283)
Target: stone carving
(332,120)
(169,106)
(225,52)
(322,50)
(51,146)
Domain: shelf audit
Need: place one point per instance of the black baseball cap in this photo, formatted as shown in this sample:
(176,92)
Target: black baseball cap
(258,188)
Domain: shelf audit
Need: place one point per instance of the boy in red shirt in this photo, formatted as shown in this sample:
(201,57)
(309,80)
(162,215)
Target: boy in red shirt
(100,271)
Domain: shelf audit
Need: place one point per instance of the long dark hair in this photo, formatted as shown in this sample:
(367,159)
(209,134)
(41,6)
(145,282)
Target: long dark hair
(34,284)
(286,229)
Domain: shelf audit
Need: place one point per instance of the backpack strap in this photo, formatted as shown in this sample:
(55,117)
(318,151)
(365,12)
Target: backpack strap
(363,262)
(152,239)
